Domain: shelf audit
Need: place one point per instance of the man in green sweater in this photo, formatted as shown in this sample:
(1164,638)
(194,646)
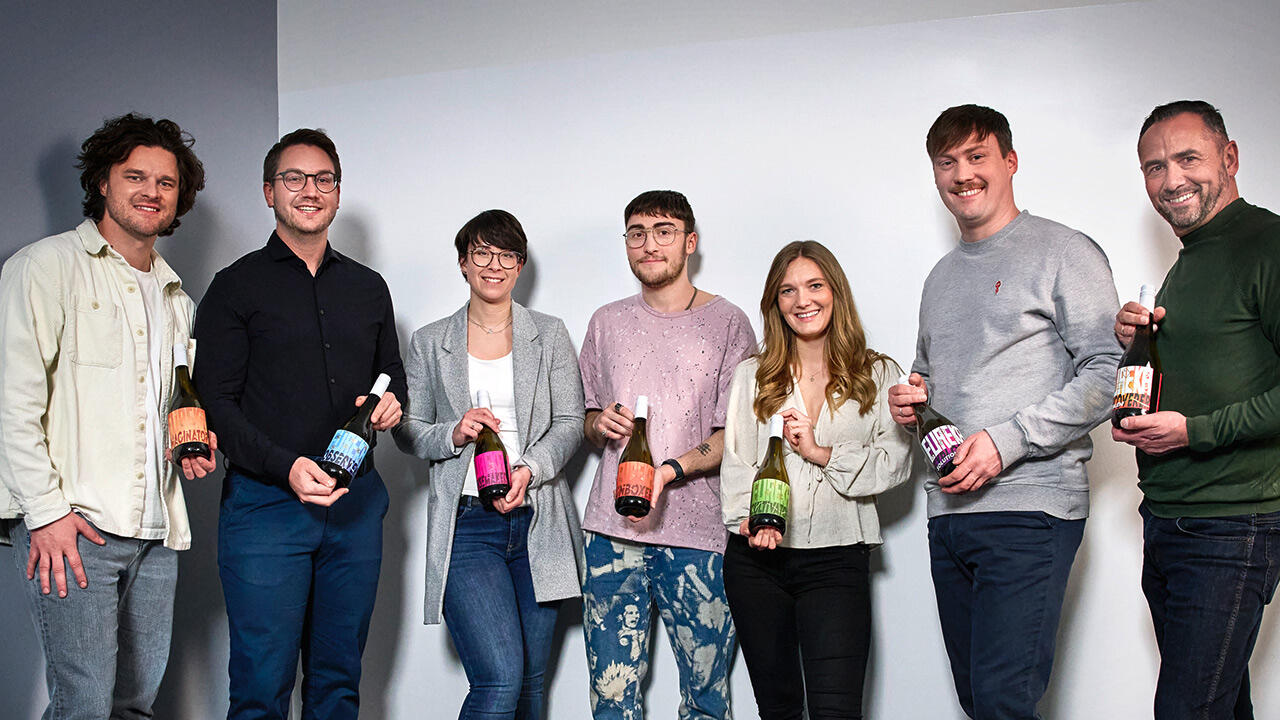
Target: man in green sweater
(1209,458)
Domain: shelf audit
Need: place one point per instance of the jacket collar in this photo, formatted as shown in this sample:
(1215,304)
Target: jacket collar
(94,243)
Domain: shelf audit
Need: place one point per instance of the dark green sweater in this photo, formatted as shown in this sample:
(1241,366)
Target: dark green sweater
(1219,350)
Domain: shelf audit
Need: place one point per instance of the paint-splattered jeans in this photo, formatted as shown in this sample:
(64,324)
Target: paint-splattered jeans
(624,581)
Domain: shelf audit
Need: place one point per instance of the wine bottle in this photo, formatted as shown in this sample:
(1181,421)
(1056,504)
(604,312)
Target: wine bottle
(1137,374)
(771,490)
(493,472)
(188,426)
(938,436)
(346,451)
(634,492)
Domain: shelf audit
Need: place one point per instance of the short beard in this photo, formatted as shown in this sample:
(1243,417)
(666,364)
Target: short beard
(1207,203)
(666,278)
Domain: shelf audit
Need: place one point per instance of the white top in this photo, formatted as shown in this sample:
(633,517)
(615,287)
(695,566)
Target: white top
(497,378)
(153,511)
(830,506)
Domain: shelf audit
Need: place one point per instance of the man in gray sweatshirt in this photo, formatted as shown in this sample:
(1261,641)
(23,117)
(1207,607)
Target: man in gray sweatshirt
(1015,347)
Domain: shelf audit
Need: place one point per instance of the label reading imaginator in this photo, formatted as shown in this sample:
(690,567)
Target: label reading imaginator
(346,450)
(1133,388)
(187,425)
(941,444)
(491,469)
(635,479)
(770,496)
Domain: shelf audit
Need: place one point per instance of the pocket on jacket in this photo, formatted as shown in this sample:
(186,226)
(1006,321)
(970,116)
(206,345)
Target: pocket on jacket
(96,328)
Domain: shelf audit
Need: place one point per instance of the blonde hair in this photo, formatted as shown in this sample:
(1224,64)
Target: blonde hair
(849,361)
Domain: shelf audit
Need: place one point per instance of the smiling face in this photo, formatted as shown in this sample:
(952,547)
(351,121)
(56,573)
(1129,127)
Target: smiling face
(1190,171)
(494,283)
(306,212)
(976,184)
(655,265)
(805,299)
(141,194)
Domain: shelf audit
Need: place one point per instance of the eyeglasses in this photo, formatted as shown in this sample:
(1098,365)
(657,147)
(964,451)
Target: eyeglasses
(483,257)
(663,235)
(295,180)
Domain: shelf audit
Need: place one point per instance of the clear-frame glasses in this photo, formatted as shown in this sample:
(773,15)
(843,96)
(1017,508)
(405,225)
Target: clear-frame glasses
(662,234)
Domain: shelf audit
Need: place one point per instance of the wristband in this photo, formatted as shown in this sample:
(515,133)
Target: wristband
(675,466)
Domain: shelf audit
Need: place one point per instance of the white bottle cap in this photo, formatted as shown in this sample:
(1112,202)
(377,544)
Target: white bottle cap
(642,406)
(904,379)
(775,426)
(380,385)
(482,398)
(179,353)
(1147,296)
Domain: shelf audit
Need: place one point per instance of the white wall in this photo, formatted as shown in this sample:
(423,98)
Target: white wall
(813,133)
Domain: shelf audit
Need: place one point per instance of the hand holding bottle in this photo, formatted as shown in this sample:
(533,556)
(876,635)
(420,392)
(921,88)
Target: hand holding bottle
(469,426)
(766,538)
(199,466)
(387,413)
(312,485)
(615,422)
(903,398)
(520,477)
(977,460)
(1131,317)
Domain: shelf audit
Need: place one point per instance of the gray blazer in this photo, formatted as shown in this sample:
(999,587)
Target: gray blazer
(549,407)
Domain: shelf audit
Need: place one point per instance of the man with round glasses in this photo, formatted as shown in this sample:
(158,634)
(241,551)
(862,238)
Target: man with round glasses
(292,334)
(678,346)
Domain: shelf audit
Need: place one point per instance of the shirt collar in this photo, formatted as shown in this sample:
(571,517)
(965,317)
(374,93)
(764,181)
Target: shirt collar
(277,250)
(94,243)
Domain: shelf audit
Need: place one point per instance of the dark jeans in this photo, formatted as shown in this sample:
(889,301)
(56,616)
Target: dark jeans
(1000,578)
(298,578)
(502,634)
(1207,581)
(804,624)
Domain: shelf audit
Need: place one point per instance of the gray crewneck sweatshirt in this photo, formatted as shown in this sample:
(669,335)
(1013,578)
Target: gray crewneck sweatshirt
(1016,339)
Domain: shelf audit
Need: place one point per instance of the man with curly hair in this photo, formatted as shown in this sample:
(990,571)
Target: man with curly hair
(88,323)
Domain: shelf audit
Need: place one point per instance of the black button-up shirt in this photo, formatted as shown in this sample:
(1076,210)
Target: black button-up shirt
(282,355)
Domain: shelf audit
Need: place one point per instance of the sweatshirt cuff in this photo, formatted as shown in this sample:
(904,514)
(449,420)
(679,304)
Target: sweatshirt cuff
(1200,434)
(1010,441)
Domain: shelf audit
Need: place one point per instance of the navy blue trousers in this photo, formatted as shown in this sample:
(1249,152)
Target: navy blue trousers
(1000,578)
(298,579)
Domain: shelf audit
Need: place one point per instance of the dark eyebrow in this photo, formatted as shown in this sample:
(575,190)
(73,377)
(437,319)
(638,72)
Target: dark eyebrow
(638,226)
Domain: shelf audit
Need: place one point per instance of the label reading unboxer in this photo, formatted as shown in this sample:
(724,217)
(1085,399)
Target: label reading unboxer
(491,469)
(770,496)
(187,425)
(346,450)
(1133,388)
(635,479)
(941,444)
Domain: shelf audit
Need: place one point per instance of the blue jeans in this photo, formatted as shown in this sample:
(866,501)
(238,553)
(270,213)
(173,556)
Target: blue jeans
(625,580)
(1207,581)
(105,646)
(501,632)
(298,578)
(1000,578)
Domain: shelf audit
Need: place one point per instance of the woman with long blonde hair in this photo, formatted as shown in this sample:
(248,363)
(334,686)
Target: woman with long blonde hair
(801,599)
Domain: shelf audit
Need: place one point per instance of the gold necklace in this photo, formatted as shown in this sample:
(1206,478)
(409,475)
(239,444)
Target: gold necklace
(488,330)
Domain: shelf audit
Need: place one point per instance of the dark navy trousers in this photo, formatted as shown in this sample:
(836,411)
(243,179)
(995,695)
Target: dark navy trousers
(298,579)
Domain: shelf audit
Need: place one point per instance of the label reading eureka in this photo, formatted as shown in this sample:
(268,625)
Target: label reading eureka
(491,469)
(941,444)
(187,425)
(346,450)
(1133,388)
(770,496)
(635,479)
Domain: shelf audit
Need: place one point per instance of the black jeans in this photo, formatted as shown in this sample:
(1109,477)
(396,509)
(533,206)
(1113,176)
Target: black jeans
(804,624)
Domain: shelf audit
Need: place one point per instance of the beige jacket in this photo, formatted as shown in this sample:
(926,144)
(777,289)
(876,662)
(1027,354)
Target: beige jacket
(73,366)
(832,505)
